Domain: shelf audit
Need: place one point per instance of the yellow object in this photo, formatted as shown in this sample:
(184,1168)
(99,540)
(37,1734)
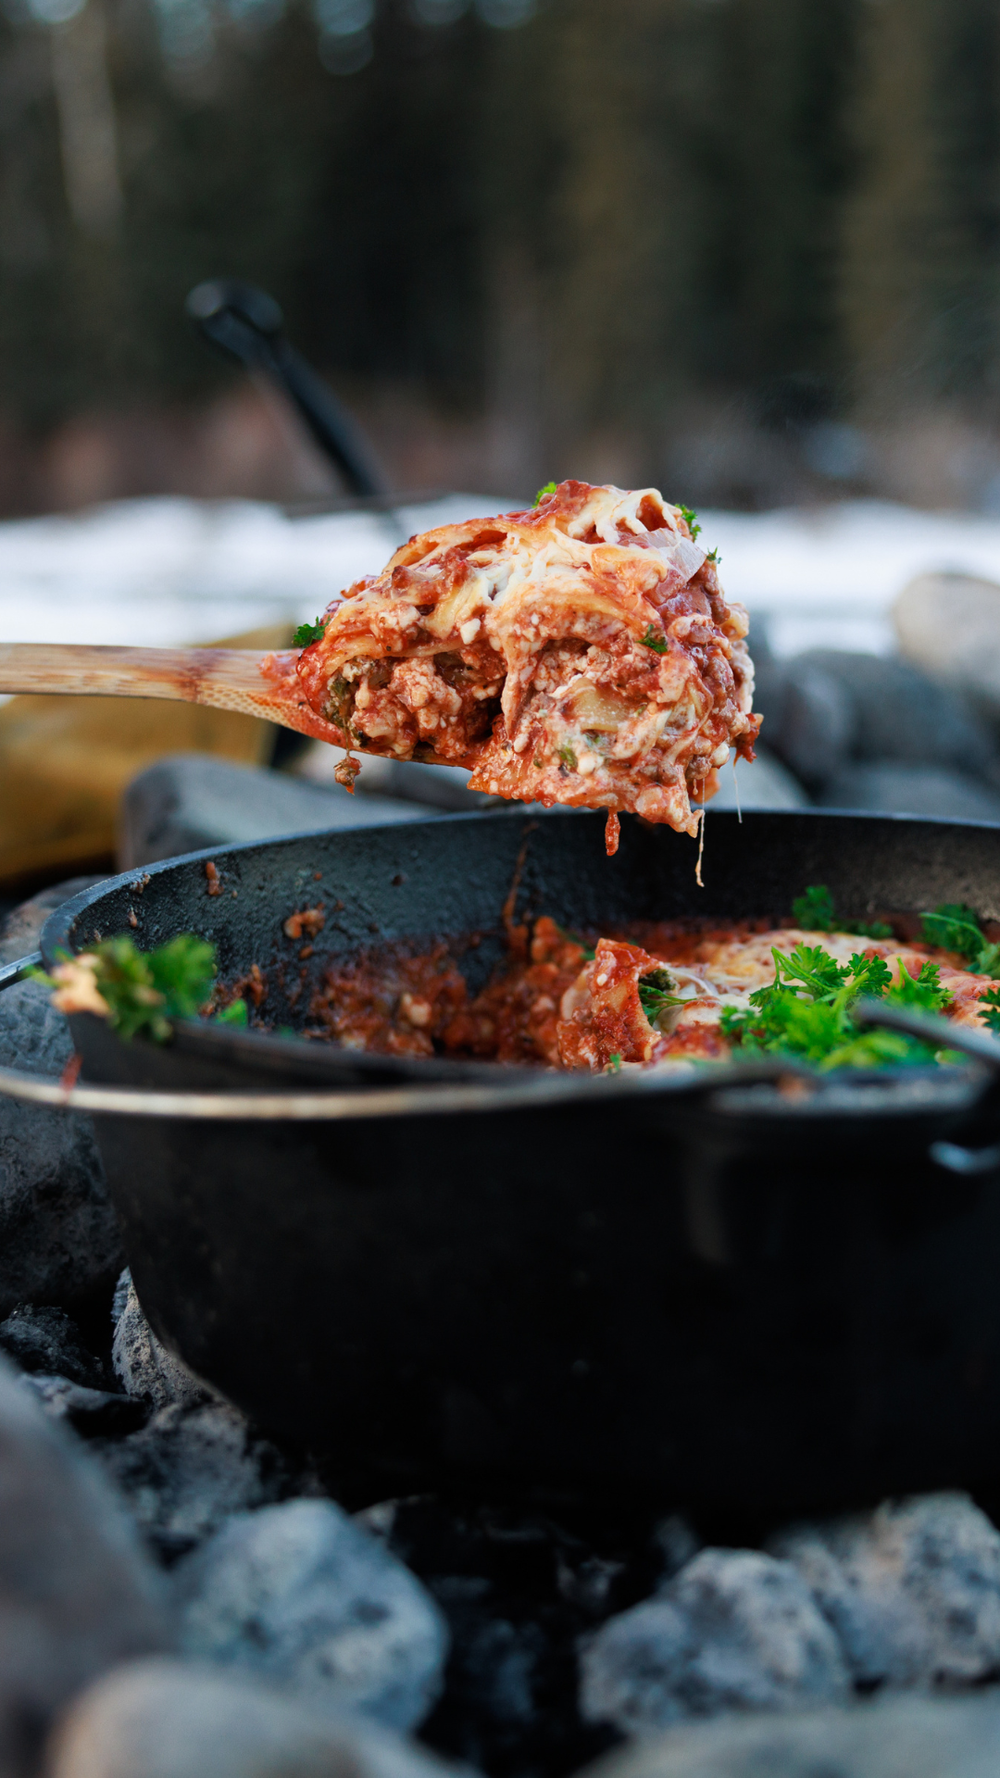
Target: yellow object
(65,761)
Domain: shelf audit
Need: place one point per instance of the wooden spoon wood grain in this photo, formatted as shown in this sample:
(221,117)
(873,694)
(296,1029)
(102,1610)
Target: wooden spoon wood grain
(263,685)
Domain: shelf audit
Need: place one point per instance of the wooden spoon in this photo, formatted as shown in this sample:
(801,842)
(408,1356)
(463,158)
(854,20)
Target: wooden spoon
(225,678)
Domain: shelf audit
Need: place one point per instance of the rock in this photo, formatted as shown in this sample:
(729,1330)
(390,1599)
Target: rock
(77,1594)
(910,790)
(766,784)
(734,1630)
(949,624)
(58,1233)
(193,800)
(912,1590)
(440,787)
(811,722)
(46,1339)
(163,1719)
(895,1738)
(899,713)
(21,930)
(142,1364)
(188,1468)
(94,1413)
(301,1595)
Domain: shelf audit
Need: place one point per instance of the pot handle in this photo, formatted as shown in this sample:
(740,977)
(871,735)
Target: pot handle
(979,1046)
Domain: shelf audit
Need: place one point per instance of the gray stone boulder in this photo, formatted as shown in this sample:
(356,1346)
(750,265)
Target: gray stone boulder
(59,1238)
(46,1339)
(94,1413)
(899,712)
(949,624)
(766,784)
(827,710)
(191,800)
(163,1719)
(303,1596)
(910,790)
(734,1630)
(911,1590)
(77,1593)
(188,1468)
(895,1738)
(143,1365)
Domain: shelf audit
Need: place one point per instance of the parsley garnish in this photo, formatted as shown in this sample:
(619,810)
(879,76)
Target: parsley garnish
(714,557)
(236,1013)
(990,1003)
(655,996)
(615,1064)
(567,757)
(543,493)
(142,991)
(955,927)
(814,912)
(658,644)
(307,633)
(806,1012)
(691,520)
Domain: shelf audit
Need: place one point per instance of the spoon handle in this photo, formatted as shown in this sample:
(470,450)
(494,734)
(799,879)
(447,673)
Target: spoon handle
(225,678)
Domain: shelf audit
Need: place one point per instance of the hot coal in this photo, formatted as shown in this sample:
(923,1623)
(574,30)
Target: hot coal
(308,1599)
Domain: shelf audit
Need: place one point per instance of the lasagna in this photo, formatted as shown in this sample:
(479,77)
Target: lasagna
(664,996)
(581,652)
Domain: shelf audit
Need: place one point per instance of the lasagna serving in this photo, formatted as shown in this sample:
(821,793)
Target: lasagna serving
(581,652)
(667,995)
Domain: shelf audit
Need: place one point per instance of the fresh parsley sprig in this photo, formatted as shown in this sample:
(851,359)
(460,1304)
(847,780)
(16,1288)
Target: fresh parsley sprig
(307,633)
(814,912)
(658,643)
(955,927)
(543,493)
(805,1013)
(656,994)
(140,993)
(691,520)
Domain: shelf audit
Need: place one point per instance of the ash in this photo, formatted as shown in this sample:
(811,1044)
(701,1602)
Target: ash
(181,1596)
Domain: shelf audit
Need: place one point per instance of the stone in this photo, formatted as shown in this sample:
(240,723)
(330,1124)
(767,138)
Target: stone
(77,1593)
(142,1364)
(165,1719)
(949,624)
(59,1238)
(192,800)
(21,929)
(912,1590)
(441,787)
(188,1468)
(734,1630)
(910,790)
(94,1413)
(766,784)
(896,1738)
(899,713)
(303,1596)
(812,729)
(46,1339)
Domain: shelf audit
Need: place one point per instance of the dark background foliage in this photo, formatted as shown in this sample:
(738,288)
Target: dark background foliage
(746,247)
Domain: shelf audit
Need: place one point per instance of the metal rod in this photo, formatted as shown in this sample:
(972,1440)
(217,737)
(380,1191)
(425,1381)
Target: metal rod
(247,324)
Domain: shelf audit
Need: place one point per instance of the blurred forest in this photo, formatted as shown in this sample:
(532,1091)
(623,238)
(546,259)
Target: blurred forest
(746,249)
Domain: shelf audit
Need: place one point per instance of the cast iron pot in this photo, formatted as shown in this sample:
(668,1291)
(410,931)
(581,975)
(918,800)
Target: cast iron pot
(733,1287)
